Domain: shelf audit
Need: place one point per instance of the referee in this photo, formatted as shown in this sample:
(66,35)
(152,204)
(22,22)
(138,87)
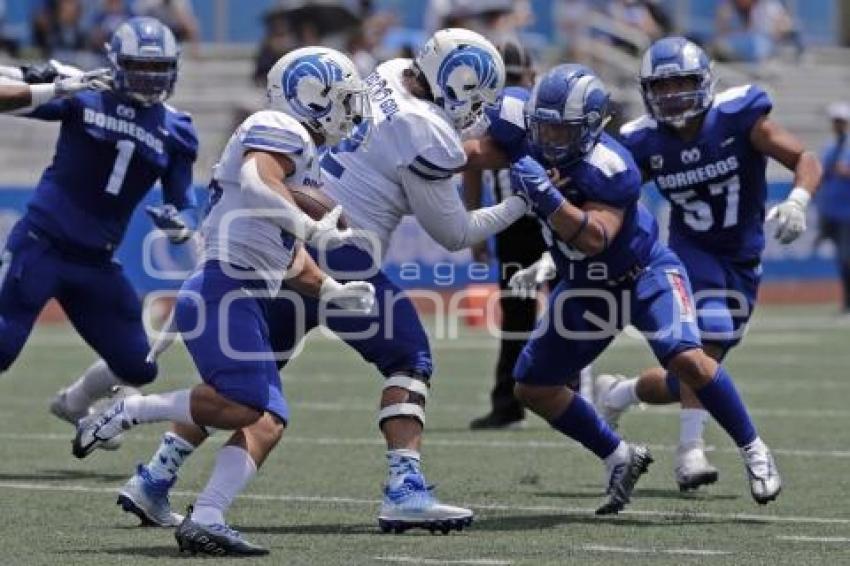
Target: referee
(517,247)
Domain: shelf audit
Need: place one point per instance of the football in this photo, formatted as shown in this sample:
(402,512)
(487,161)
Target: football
(316,204)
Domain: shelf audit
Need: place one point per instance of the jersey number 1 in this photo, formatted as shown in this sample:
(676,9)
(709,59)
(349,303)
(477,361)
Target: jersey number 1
(119,170)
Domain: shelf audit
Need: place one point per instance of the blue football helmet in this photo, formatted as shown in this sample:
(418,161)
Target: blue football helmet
(566,113)
(676,58)
(144,56)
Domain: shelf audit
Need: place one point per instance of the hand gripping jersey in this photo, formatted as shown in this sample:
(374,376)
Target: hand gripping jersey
(606,175)
(716,182)
(109,154)
(407,133)
(234,232)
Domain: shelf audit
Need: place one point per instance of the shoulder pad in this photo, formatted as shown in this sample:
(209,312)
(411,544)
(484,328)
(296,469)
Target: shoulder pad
(507,116)
(183,131)
(272,131)
(745,98)
(434,150)
(609,174)
(637,125)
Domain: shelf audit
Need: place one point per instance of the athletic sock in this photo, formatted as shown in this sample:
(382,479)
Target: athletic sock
(402,462)
(158,407)
(721,399)
(623,395)
(620,455)
(581,423)
(170,455)
(691,426)
(233,469)
(95,383)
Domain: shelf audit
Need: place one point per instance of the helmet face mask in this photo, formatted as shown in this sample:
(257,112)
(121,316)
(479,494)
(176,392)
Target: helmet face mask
(676,81)
(145,58)
(322,89)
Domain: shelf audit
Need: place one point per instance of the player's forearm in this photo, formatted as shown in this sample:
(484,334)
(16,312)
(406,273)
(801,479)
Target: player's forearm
(304,276)
(808,172)
(472,189)
(15,97)
(586,231)
(275,202)
(486,222)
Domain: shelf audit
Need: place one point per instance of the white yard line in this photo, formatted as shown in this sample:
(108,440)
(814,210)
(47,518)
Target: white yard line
(800,538)
(553,509)
(422,560)
(668,551)
(444,443)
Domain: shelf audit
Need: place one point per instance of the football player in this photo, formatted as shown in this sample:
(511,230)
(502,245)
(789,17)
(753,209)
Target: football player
(612,271)
(251,238)
(117,138)
(707,154)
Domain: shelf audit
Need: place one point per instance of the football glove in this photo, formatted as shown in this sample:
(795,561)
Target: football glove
(355,296)
(99,79)
(48,72)
(530,178)
(524,282)
(790,215)
(174,223)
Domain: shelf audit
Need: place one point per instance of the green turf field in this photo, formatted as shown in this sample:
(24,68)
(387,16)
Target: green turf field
(315,501)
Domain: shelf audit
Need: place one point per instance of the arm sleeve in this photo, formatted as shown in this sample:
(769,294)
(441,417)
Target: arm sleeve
(260,196)
(439,209)
(272,139)
(177,190)
(56,110)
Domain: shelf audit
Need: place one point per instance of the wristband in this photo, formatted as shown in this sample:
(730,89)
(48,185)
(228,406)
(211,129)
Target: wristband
(41,94)
(329,286)
(800,196)
(548,199)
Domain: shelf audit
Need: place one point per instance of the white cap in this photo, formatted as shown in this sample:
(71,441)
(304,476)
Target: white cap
(839,111)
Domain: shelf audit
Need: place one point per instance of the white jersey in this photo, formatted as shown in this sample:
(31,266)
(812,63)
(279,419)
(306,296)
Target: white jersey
(407,132)
(232,232)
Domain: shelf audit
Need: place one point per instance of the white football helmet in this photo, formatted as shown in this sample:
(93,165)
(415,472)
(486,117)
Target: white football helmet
(464,72)
(321,88)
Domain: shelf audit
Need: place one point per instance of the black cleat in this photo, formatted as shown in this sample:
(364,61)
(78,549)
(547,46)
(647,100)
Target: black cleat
(498,421)
(624,478)
(213,540)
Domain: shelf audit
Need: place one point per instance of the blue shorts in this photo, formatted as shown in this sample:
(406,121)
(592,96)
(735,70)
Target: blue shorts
(223,321)
(724,292)
(392,339)
(580,322)
(99,300)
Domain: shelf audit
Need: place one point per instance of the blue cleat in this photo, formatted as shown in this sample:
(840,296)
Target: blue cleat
(147,499)
(413,505)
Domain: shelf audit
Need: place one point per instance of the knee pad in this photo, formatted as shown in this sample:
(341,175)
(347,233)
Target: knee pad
(416,385)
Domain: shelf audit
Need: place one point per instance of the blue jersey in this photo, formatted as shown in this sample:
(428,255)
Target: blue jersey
(109,154)
(716,182)
(607,175)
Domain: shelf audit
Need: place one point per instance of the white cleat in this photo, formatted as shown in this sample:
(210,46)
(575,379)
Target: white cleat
(147,498)
(693,468)
(95,430)
(412,505)
(60,408)
(765,482)
(603,386)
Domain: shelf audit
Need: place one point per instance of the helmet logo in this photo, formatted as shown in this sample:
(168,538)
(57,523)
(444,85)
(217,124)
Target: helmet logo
(466,69)
(306,83)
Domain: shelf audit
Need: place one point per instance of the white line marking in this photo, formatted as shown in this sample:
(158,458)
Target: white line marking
(672,551)
(418,560)
(448,443)
(799,538)
(554,509)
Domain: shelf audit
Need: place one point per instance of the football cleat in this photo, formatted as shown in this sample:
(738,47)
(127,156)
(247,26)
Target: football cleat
(765,482)
(412,505)
(95,430)
(604,383)
(498,421)
(622,479)
(693,468)
(147,499)
(60,408)
(213,540)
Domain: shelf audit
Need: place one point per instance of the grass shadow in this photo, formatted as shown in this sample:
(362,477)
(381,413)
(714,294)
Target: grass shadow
(64,475)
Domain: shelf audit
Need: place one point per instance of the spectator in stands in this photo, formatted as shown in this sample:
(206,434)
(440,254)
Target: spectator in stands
(57,29)
(750,30)
(7,42)
(277,40)
(571,29)
(106,19)
(833,198)
(646,16)
(178,15)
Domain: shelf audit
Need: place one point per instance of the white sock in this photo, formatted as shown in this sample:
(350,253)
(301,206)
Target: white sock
(158,407)
(170,455)
(756,445)
(623,394)
(95,383)
(691,426)
(233,469)
(401,461)
(619,456)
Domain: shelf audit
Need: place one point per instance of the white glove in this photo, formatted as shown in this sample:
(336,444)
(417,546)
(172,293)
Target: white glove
(64,70)
(524,282)
(324,233)
(790,215)
(355,296)
(99,79)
